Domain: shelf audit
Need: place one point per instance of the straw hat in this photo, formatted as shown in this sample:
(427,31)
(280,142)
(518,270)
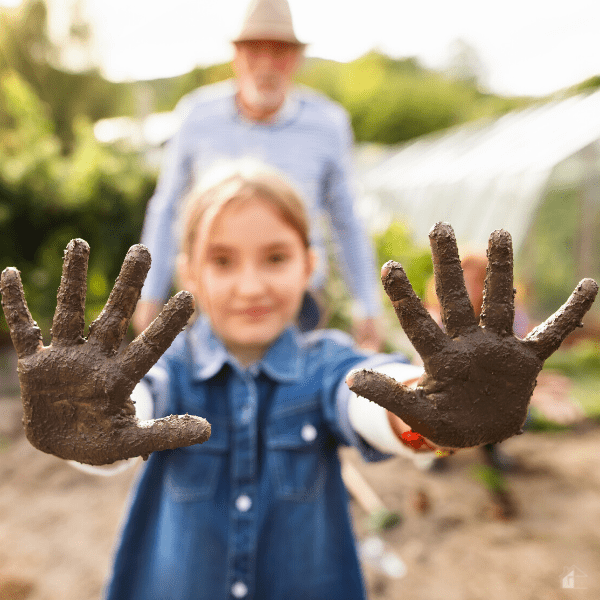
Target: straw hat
(268,20)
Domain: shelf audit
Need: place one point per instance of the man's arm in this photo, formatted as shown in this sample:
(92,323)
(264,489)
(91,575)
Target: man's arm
(355,255)
(159,233)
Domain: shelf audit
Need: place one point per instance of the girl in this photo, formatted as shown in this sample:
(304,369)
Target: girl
(259,510)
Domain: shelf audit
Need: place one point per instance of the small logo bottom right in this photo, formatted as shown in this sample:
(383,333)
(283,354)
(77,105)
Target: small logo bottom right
(573,578)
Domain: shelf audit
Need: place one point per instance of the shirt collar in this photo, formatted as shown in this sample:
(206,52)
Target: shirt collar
(282,361)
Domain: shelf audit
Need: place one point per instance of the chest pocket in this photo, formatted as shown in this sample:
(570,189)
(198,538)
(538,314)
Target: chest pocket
(192,473)
(295,456)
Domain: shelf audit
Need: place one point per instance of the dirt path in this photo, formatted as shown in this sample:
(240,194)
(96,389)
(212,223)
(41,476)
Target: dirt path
(57,525)
(460,550)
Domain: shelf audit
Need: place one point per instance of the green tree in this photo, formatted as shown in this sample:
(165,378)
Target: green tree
(26,48)
(47,198)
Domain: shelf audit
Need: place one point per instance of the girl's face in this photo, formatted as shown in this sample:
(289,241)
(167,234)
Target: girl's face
(251,278)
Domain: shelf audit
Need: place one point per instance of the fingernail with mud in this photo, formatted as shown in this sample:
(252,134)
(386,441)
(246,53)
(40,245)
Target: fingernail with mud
(350,378)
(386,269)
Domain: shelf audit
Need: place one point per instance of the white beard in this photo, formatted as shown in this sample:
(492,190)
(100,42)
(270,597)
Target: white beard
(264,92)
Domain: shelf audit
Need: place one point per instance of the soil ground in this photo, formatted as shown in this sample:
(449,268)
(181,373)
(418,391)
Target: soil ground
(57,524)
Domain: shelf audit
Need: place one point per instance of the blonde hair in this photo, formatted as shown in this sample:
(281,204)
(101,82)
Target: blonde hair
(204,205)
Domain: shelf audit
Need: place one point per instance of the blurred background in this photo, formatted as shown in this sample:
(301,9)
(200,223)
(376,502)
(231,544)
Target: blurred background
(481,122)
(482,116)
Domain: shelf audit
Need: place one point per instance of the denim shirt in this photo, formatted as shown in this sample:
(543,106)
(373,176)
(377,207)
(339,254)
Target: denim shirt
(259,511)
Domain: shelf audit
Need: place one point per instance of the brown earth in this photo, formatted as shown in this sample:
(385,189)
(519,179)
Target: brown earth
(57,524)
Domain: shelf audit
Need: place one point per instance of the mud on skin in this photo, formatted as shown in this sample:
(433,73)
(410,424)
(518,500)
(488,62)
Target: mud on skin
(479,377)
(476,388)
(76,392)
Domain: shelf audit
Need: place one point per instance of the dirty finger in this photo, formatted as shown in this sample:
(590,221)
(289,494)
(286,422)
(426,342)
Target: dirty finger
(457,311)
(149,346)
(69,317)
(24,332)
(168,433)
(423,332)
(547,337)
(109,329)
(498,308)
(394,396)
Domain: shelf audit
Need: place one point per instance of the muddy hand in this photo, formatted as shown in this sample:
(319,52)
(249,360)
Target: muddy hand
(76,392)
(478,377)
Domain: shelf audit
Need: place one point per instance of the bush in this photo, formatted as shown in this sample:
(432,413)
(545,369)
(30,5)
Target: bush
(581,360)
(47,198)
(395,243)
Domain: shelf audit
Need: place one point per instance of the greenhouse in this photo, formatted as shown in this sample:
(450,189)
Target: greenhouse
(534,172)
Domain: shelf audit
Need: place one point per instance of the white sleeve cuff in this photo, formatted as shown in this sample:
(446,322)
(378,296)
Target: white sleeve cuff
(144,404)
(370,420)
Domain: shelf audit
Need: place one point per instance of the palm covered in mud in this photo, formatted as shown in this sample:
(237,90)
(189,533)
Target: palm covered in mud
(76,392)
(479,377)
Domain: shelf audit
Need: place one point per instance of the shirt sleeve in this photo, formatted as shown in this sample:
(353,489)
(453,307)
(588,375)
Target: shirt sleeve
(353,247)
(343,397)
(144,403)
(160,232)
(370,420)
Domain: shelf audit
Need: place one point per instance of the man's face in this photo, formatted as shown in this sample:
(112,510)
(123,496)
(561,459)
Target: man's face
(264,70)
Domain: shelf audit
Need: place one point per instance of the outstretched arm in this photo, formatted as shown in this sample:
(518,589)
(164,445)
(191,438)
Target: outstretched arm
(478,377)
(76,392)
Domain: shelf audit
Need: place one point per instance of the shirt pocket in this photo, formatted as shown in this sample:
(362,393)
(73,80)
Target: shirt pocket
(192,473)
(295,459)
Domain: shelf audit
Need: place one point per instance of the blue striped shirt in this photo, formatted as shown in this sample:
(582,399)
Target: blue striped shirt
(310,141)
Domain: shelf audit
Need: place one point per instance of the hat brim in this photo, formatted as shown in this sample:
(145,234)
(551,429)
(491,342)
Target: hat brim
(271,32)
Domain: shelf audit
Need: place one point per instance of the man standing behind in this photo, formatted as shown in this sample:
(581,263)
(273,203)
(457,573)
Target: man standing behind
(260,114)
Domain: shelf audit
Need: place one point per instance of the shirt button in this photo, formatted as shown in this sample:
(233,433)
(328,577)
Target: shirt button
(246,414)
(243,503)
(308,433)
(239,589)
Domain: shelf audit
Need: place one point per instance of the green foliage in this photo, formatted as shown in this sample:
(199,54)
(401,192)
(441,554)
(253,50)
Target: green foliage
(588,85)
(396,243)
(577,361)
(586,391)
(491,478)
(549,250)
(47,198)
(25,48)
(581,363)
(550,261)
(383,520)
(168,92)
(392,100)
(389,100)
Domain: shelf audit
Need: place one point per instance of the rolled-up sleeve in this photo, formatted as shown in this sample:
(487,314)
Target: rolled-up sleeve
(157,383)
(344,395)
(160,232)
(353,250)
